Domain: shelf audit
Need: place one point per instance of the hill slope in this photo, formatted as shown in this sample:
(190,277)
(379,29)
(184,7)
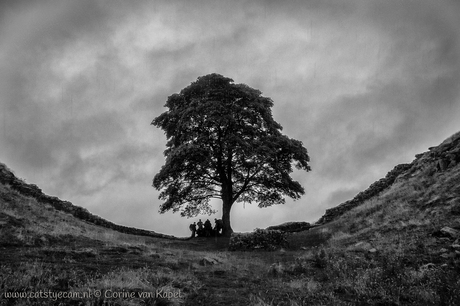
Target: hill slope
(414,210)
(14,192)
(432,167)
(396,243)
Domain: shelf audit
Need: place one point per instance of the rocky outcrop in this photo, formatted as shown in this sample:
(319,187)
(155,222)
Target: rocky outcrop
(448,243)
(8,178)
(436,160)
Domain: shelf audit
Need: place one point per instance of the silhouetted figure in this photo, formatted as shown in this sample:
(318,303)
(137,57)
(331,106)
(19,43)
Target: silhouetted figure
(193,229)
(207,228)
(200,229)
(219,226)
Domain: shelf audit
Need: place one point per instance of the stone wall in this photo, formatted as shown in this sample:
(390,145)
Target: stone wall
(291,227)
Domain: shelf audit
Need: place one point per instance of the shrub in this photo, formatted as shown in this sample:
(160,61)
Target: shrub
(259,239)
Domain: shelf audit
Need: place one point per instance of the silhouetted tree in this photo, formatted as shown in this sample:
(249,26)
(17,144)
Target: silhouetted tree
(222,142)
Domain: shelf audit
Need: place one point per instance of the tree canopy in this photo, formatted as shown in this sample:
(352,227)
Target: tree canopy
(222,142)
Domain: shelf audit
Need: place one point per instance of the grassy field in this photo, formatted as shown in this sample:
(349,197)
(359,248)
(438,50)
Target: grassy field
(387,251)
(202,273)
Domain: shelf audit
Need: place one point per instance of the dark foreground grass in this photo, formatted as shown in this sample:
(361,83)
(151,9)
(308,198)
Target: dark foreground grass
(147,274)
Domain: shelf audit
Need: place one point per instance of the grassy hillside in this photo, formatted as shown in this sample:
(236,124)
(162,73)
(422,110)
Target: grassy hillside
(25,221)
(401,245)
(11,182)
(397,243)
(419,202)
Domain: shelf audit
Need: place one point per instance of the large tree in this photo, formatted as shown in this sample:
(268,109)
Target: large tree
(222,142)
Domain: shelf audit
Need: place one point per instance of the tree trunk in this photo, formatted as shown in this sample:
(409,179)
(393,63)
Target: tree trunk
(226,207)
(227,203)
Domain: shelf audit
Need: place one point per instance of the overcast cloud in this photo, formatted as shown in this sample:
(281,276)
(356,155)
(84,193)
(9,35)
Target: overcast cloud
(365,85)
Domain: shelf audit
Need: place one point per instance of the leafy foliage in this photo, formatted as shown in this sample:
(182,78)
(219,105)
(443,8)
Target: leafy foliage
(224,143)
(259,239)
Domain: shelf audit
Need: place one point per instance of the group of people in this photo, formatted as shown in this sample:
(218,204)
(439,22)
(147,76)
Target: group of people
(205,229)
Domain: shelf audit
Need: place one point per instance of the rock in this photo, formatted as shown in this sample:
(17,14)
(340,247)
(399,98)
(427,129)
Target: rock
(443,250)
(362,246)
(209,261)
(303,248)
(441,165)
(455,246)
(435,201)
(450,232)
(373,250)
(276,269)
(428,266)
(447,255)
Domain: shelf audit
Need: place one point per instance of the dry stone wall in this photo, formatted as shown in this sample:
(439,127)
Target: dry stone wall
(291,227)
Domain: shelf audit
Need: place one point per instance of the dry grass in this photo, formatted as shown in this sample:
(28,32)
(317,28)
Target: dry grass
(332,270)
(40,222)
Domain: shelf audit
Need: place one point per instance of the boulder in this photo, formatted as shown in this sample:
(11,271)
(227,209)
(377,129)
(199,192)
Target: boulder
(362,246)
(209,261)
(450,232)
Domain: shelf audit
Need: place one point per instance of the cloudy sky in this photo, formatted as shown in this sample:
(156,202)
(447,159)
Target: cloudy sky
(364,84)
